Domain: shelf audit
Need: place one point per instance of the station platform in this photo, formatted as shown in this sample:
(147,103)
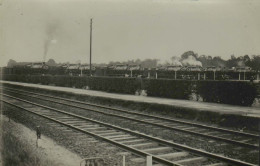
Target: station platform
(195,105)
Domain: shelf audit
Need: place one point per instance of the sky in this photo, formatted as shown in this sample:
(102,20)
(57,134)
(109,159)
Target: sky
(34,30)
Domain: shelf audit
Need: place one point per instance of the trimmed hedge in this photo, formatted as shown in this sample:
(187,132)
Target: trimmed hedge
(112,84)
(109,84)
(176,89)
(227,92)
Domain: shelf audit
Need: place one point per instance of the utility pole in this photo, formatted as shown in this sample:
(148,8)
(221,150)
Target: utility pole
(90,67)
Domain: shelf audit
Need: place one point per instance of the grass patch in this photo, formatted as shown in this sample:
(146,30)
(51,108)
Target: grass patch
(16,151)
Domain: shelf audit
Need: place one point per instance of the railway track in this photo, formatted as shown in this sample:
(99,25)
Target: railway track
(164,152)
(238,138)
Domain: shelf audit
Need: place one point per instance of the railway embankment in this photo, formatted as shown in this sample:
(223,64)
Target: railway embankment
(242,118)
(66,146)
(18,147)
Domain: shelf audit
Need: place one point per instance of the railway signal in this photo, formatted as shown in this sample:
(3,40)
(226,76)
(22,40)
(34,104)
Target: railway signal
(38,134)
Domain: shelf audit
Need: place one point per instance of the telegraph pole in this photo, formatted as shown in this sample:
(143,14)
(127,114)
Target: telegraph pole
(90,67)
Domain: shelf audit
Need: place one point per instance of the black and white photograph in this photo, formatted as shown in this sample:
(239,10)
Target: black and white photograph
(129,82)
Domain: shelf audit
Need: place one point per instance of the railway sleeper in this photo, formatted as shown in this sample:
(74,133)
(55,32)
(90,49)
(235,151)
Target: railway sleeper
(166,123)
(144,145)
(179,126)
(88,125)
(80,124)
(157,128)
(221,144)
(175,155)
(132,141)
(124,138)
(93,128)
(140,160)
(217,164)
(104,132)
(52,114)
(253,151)
(67,130)
(188,128)
(71,121)
(192,161)
(117,136)
(150,120)
(158,150)
(111,133)
(245,140)
(76,123)
(224,135)
(124,153)
(67,119)
(211,133)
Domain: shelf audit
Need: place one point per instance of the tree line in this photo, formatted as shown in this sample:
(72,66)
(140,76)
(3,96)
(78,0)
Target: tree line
(206,61)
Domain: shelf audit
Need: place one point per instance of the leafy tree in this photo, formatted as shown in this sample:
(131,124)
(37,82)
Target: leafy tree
(11,63)
(218,62)
(232,62)
(149,63)
(205,60)
(51,62)
(255,63)
(185,55)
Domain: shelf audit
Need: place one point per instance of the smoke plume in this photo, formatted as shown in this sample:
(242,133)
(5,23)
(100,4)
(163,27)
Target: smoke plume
(176,61)
(191,61)
(51,31)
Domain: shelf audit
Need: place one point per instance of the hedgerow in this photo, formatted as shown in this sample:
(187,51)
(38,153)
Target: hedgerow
(113,84)
(176,89)
(227,92)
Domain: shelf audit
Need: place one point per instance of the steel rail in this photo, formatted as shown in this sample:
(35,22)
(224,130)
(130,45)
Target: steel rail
(125,147)
(252,146)
(159,140)
(151,116)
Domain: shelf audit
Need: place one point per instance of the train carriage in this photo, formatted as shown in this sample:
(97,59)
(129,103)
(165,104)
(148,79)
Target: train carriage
(73,69)
(135,70)
(119,70)
(84,69)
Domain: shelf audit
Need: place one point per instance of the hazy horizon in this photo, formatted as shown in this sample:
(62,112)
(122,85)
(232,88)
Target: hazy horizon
(125,30)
